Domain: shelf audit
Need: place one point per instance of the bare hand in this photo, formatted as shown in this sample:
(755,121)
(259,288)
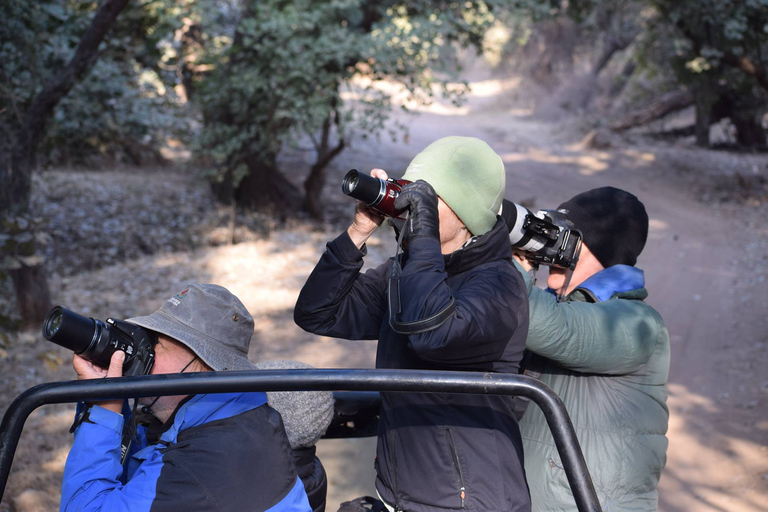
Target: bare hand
(523,261)
(86,370)
(366,220)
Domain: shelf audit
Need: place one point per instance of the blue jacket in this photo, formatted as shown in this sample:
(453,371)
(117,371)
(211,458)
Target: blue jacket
(222,452)
(436,451)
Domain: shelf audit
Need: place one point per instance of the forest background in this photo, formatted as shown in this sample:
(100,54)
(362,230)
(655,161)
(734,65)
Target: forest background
(140,137)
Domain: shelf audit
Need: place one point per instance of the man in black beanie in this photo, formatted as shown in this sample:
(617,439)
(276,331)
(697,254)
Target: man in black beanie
(606,354)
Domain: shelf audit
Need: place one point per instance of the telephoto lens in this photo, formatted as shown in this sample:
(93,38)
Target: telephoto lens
(376,193)
(96,341)
(518,220)
(366,188)
(69,330)
(546,237)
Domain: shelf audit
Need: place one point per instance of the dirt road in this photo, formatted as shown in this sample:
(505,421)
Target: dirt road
(705,265)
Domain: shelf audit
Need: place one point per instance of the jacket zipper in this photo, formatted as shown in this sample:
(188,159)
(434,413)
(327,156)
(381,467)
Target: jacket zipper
(394,464)
(455,455)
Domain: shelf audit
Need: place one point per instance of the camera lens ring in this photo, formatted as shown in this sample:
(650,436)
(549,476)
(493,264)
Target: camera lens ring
(363,187)
(53,322)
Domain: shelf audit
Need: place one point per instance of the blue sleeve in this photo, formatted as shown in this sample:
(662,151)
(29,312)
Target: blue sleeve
(490,306)
(92,472)
(338,300)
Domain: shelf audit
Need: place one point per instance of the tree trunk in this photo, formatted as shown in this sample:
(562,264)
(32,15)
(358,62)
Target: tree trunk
(703,115)
(30,283)
(622,79)
(265,189)
(615,43)
(313,186)
(33,298)
(749,132)
(191,50)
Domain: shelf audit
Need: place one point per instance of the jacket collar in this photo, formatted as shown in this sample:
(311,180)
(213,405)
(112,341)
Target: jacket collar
(200,409)
(491,246)
(617,280)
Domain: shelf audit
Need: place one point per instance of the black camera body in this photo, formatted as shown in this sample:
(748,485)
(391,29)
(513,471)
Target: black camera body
(96,341)
(546,237)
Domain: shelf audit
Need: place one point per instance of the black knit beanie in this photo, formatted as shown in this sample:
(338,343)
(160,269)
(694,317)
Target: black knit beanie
(613,222)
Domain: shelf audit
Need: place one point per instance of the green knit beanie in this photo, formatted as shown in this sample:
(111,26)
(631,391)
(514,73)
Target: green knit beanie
(467,174)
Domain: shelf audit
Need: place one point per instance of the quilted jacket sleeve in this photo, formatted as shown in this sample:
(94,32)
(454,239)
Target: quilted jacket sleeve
(612,337)
(338,300)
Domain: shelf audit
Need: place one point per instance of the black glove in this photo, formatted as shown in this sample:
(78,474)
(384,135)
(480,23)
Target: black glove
(420,199)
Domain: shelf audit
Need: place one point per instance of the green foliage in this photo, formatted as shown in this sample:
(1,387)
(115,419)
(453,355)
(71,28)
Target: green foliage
(291,66)
(116,112)
(126,99)
(30,34)
(707,33)
(716,48)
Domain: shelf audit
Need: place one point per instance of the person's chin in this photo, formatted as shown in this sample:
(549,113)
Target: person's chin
(556,278)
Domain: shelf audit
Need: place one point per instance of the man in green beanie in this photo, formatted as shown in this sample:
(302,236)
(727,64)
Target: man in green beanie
(459,304)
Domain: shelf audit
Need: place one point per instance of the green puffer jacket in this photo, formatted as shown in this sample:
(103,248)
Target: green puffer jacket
(606,355)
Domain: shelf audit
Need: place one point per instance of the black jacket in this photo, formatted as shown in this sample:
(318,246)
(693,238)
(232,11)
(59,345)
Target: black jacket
(312,474)
(435,451)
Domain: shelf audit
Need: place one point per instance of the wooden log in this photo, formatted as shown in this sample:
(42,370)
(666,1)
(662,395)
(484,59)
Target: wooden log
(668,103)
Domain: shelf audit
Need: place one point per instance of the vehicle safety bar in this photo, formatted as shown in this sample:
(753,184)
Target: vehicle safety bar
(310,380)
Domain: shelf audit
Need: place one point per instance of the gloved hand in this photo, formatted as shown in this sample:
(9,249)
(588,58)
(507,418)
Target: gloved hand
(420,199)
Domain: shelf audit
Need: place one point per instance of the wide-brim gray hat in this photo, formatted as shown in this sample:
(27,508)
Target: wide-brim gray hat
(210,321)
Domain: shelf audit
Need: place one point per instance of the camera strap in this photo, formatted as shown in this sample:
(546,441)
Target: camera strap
(129,433)
(395,308)
(532,365)
(130,428)
(562,292)
(83,417)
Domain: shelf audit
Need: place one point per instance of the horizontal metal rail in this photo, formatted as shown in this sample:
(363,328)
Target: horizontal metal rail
(304,380)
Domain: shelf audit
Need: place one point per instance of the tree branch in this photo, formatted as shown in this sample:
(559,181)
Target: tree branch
(670,102)
(85,56)
(748,67)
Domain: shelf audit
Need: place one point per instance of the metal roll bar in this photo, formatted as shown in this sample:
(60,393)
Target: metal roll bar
(310,380)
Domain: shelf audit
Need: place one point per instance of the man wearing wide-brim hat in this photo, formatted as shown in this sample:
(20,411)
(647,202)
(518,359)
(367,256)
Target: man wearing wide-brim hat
(225,451)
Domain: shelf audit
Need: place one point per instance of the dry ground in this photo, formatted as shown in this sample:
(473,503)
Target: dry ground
(706,263)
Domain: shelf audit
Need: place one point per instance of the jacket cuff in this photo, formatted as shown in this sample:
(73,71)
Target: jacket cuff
(345,250)
(111,420)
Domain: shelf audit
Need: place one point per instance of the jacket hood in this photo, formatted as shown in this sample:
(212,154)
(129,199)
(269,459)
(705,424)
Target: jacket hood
(491,246)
